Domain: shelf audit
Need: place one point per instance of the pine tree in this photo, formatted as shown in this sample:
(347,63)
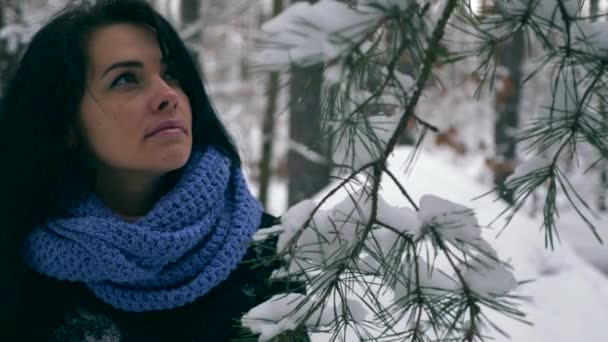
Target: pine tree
(348,254)
(269,123)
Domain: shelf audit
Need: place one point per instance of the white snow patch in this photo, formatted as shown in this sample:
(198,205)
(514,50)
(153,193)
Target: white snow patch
(452,221)
(486,276)
(311,33)
(283,312)
(432,280)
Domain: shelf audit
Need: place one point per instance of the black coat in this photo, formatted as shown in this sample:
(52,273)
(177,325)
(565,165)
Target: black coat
(67,311)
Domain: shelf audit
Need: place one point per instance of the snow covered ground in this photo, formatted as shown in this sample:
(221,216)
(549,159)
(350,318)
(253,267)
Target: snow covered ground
(568,296)
(584,243)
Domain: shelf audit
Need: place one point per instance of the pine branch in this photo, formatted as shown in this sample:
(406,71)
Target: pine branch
(430,58)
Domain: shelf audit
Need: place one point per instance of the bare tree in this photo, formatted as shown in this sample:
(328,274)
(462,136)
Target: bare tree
(189,14)
(268,125)
(308,167)
(190,11)
(10,13)
(510,60)
(594,7)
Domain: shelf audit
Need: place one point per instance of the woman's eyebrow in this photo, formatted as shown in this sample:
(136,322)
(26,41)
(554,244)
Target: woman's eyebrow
(122,64)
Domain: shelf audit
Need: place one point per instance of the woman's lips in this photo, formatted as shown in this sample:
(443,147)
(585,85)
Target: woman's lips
(168,132)
(167,125)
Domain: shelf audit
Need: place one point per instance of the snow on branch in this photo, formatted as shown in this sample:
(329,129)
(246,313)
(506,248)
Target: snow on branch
(307,33)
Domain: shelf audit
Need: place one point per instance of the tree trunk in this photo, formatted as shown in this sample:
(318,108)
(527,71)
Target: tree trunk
(306,175)
(268,126)
(189,13)
(8,59)
(594,7)
(506,103)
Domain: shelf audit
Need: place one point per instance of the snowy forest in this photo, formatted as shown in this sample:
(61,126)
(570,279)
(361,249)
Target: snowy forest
(440,167)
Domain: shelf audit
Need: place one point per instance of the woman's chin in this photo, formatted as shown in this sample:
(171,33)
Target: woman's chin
(172,159)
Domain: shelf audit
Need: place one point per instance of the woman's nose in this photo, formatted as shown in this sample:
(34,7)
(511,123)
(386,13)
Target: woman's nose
(165,98)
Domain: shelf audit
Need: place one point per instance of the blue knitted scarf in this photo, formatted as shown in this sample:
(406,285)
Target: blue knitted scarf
(187,244)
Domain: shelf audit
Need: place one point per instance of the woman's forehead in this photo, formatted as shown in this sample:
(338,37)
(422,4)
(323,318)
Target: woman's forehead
(122,42)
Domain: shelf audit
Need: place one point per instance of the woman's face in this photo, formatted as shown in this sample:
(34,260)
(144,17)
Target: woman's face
(129,93)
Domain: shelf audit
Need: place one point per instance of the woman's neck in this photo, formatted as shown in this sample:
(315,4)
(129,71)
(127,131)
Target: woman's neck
(130,196)
(129,219)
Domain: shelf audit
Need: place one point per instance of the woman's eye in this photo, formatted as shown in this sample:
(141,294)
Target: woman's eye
(123,79)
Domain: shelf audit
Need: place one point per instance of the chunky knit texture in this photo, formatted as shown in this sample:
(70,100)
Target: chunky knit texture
(187,244)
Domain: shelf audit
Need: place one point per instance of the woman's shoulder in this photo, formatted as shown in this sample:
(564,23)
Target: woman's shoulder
(51,307)
(65,311)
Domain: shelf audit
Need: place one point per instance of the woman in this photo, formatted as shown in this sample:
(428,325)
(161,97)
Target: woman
(127,217)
